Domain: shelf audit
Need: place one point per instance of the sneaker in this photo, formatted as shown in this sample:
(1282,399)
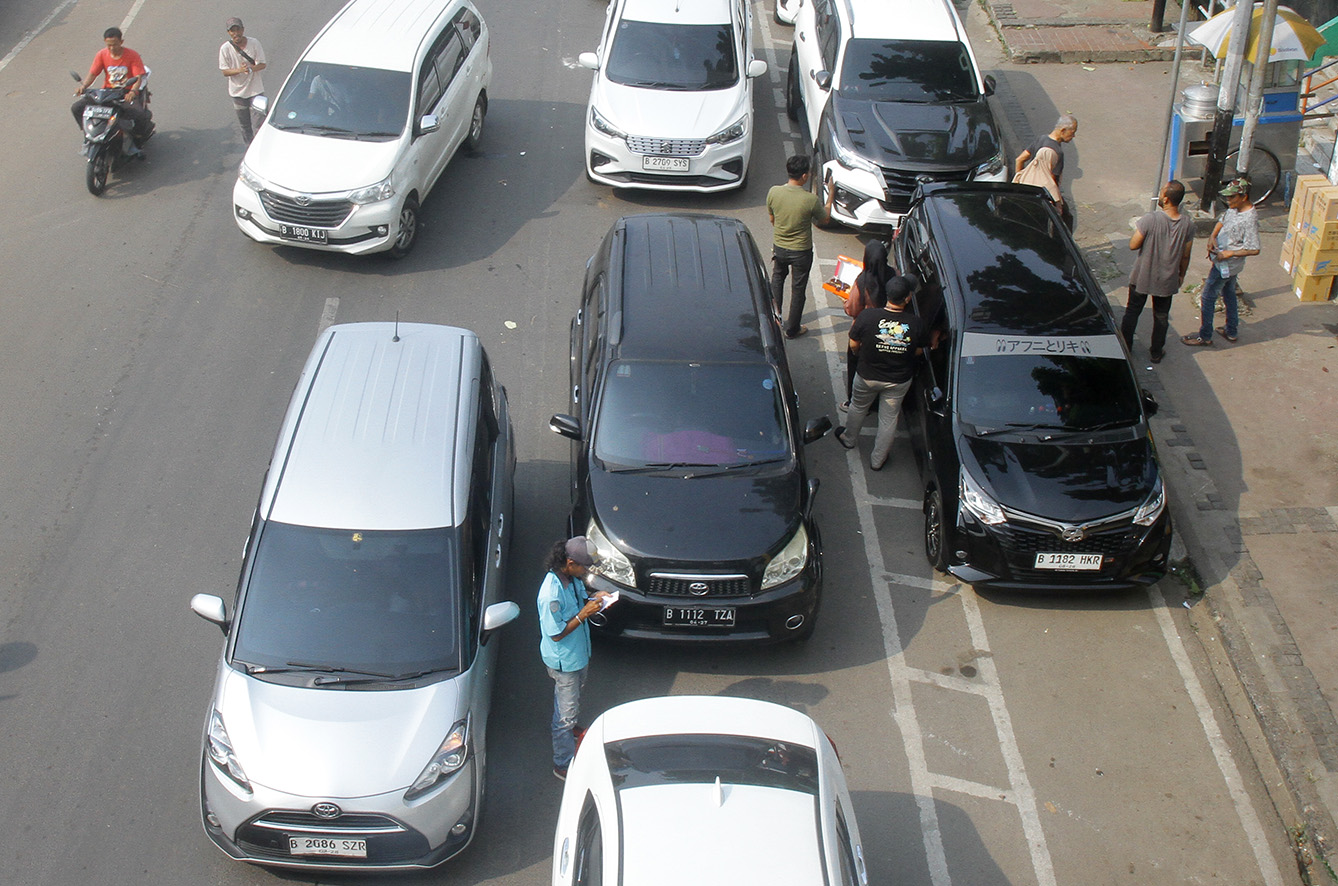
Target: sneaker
(1221,330)
(1156,358)
(560,772)
(1195,342)
(843,439)
(798,332)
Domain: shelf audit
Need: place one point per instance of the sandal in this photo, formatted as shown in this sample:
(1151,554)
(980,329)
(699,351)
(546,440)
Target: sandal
(1221,330)
(1195,342)
(843,439)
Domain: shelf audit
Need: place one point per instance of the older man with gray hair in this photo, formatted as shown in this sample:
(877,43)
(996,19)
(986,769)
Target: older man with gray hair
(1047,151)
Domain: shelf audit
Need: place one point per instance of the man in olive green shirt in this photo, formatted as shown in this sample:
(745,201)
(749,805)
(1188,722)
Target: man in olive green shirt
(793,210)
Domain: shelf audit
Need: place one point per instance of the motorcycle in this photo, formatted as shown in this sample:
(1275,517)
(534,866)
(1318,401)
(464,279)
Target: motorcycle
(106,129)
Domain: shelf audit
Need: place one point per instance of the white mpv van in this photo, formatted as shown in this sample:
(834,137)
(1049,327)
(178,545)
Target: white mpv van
(348,724)
(376,107)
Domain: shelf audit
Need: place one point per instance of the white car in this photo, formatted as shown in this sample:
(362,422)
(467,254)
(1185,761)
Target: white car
(378,104)
(671,105)
(786,10)
(704,791)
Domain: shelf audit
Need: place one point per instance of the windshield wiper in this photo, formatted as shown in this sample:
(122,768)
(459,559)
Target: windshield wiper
(355,680)
(660,466)
(656,84)
(1015,427)
(734,466)
(301,667)
(1108,425)
(326,129)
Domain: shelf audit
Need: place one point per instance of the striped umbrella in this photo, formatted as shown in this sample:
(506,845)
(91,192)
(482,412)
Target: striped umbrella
(1294,38)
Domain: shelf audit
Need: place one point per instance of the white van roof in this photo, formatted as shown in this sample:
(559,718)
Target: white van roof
(379,433)
(384,34)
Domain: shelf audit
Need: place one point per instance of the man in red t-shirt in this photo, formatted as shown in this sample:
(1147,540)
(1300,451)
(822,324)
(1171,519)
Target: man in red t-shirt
(117,63)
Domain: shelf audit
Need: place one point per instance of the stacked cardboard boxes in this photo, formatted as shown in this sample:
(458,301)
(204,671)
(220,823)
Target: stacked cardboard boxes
(1310,250)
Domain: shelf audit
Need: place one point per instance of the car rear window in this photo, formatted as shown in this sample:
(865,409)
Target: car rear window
(343,101)
(702,758)
(659,55)
(378,601)
(908,71)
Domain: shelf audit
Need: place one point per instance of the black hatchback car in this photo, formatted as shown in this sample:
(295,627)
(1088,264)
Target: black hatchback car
(1039,468)
(688,467)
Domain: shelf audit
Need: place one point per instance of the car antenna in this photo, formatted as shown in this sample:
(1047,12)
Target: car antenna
(397,327)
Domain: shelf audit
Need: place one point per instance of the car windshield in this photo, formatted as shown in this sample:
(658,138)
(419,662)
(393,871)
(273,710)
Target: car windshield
(687,414)
(908,71)
(700,759)
(1070,391)
(383,602)
(658,55)
(342,101)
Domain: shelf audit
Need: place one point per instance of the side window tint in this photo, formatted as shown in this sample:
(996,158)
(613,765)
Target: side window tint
(846,852)
(451,57)
(469,27)
(589,858)
(429,90)
(593,320)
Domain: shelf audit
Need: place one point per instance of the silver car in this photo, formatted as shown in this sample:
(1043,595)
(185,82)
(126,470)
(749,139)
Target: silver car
(348,722)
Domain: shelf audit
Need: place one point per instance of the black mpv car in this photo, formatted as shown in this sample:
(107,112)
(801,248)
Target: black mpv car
(1038,465)
(688,466)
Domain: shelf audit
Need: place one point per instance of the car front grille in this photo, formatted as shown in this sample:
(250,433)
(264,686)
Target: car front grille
(388,841)
(902,183)
(316,214)
(1021,543)
(667,147)
(699,586)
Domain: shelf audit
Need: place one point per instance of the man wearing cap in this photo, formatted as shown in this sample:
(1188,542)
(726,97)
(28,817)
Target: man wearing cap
(1235,237)
(564,606)
(241,59)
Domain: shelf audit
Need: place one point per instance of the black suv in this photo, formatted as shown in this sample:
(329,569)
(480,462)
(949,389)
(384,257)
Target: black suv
(688,467)
(891,96)
(1038,465)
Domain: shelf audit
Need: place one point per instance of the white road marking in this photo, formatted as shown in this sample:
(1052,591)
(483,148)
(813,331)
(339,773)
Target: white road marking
(328,315)
(130,16)
(31,35)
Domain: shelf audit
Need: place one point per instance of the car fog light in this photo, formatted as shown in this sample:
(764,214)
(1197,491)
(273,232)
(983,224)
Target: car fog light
(459,828)
(794,622)
(243,213)
(960,555)
(212,820)
(382,230)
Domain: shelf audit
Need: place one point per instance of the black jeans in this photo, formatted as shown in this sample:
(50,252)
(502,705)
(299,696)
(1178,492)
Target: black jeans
(1161,319)
(796,264)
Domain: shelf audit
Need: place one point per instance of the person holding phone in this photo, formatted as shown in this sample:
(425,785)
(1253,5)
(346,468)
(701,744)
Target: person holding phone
(793,209)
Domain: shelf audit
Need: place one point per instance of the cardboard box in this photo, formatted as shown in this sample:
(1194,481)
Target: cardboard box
(1326,235)
(847,270)
(1323,209)
(1316,262)
(1302,198)
(1312,288)
(1291,251)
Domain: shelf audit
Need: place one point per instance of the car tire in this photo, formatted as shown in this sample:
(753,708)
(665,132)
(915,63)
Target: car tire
(474,138)
(406,230)
(936,531)
(793,100)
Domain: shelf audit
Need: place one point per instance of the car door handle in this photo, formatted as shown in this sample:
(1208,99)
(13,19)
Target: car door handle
(576,394)
(802,37)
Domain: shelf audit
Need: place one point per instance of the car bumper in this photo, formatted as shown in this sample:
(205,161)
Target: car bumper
(610,161)
(863,202)
(366,228)
(400,835)
(1004,559)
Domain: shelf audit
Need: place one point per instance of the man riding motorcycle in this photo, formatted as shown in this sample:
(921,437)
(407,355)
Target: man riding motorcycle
(118,63)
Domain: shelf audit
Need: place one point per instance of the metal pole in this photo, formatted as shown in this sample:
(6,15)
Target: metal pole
(1170,104)
(1254,102)
(1226,100)
(1158,16)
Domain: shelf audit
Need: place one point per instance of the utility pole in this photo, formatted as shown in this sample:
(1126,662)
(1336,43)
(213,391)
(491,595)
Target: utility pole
(1159,15)
(1226,102)
(1254,101)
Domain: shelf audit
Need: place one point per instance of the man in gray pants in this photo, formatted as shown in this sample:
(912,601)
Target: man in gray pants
(241,59)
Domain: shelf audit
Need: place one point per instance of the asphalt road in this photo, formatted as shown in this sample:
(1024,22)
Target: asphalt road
(146,355)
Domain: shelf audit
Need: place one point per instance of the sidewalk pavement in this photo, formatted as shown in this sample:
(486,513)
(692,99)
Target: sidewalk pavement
(1082,30)
(1247,432)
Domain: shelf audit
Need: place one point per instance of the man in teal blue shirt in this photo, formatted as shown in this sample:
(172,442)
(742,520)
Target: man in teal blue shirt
(564,606)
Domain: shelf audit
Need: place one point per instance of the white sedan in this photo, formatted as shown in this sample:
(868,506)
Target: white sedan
(706,790)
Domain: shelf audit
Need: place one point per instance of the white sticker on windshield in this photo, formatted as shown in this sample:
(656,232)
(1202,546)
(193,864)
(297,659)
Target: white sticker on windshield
(985,344)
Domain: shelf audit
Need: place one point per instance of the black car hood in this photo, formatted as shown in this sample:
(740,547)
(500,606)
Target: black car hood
(923,135)
(1063,481)
(726,517)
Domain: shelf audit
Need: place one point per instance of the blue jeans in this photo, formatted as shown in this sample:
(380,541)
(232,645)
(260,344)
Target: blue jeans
(1212,286)
(566,708)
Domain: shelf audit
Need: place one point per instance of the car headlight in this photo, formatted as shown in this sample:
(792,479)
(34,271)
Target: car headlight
(1151,509)
(789,561)
(604,126)
(382,190)
(613,563)
(851,160)
(447,760)
(250,179)
(992,166)
(729,134)
(978,502)
(219,748)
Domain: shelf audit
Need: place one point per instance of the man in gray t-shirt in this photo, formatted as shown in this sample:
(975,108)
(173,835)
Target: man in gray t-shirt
(1235,237)
(1162,239)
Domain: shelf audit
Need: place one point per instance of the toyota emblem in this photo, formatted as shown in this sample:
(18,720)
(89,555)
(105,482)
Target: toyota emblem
(302,199)
(326,810)
(698,588)
(1072,533)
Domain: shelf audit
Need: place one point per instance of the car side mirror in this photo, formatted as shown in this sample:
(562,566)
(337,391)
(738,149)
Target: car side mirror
(990,84)
(588,60)
(210,608)
(823,79)
(260,103)
(937,401)
(497,615)
(428,123)
(567,425)
(756,68)
(1150,405)
(817,429)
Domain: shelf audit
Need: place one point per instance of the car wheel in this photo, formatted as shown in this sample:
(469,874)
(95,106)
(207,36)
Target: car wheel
(474,139)
(406,233)
(936,531)
(793,100)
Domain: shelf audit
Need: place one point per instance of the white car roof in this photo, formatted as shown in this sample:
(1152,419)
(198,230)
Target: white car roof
(903,20)
(704,835)
(382,34)
(717,715)
(683,12)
